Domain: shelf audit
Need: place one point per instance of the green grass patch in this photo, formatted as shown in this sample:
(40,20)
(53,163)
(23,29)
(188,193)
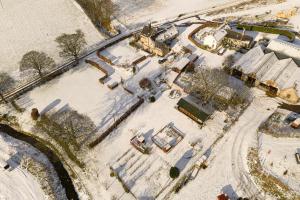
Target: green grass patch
(290,35)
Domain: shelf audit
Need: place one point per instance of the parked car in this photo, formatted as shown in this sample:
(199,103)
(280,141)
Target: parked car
(4,165)
(221,51)
(161,61)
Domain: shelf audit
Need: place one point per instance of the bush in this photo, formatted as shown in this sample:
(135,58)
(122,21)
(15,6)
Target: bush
(152,99)
(35,114)
(145,83)
(112,174)
(174,172)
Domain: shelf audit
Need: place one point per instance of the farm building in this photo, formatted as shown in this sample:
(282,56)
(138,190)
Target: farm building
(237,40)
(266,71)
(183,62)
(148,43)
(167,35)
(284,49)
(192,110)
(214,39)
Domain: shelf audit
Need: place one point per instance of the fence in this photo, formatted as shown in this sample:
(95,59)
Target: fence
(116,123)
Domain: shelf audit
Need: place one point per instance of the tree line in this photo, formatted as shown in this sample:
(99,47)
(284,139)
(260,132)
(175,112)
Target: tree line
(99,11)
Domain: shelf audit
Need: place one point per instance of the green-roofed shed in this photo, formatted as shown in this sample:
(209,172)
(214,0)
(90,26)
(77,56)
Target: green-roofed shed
(192,111)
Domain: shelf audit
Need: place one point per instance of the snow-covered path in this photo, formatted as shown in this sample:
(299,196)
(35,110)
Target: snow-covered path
(227,169)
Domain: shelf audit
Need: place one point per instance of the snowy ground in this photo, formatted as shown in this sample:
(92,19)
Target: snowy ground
(81,90)
(140,170)
(145,175)
(17,182)
(227,164)
(33,25)
(135,12)
(280,152)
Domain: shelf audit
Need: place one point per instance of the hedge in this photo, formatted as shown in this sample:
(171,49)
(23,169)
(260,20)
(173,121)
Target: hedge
(265,29)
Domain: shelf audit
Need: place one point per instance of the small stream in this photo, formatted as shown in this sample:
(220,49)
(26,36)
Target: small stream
(62,173)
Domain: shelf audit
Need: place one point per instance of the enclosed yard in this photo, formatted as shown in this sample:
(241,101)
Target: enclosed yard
(81,90)
(147,175)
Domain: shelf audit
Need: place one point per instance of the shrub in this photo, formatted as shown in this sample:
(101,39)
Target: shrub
(112,174)
(174,172)
(35,114)
(145,83)
(152,99)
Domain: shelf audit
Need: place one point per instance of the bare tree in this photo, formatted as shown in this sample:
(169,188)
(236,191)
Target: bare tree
(71,44)
(229,61)
(207,82)
(38,61)
(6,82)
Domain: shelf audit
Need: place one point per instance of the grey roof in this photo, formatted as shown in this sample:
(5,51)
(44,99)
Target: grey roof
(284,47)
(246,62)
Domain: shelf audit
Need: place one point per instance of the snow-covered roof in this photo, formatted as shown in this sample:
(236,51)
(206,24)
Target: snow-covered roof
(171,76)
(181,63)
(274,72)
(220,34)
(249,59)
(263,65)
(284,47)
(167,35)
(289,77)
(267,67)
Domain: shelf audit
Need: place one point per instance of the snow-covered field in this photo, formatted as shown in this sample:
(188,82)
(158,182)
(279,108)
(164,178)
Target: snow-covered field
(278,155)
(18,183)
(135,12)
(33,25)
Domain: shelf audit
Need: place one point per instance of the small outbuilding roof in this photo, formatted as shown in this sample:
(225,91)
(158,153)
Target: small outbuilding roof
(193,110)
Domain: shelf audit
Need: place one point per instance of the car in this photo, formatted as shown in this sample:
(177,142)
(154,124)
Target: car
(161,61)
(4,165)
(221,51)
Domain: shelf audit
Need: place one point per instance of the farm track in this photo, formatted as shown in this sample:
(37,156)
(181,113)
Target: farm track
(245,133)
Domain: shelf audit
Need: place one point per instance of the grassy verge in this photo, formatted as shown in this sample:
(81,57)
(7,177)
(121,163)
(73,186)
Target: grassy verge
(290,35)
